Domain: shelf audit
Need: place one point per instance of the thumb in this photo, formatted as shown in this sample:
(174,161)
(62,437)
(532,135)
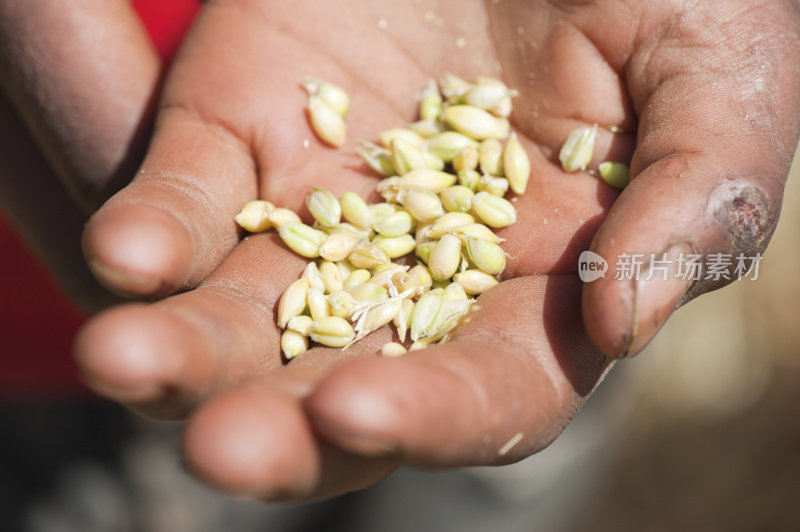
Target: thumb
(715,146)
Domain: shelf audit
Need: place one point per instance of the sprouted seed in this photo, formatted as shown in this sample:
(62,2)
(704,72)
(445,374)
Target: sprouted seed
(418,259)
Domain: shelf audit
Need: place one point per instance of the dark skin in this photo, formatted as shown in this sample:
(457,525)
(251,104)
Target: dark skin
(700,99)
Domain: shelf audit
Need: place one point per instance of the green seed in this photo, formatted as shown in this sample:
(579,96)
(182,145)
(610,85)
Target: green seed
(302,239)
(396,224)
(377,158)
(381,210)
(368,293)
(487,256)
(407,157)
(355,210)
(426,310)
(432,161)
(395,246)
(357,277)
(493,210)
(342,304)
(367,255)
(457,198)
(423,250)
(446,223)
(470,179)
(430,102)
(615,174)
(324,207)
(448,144)
(454,292)
(426,179)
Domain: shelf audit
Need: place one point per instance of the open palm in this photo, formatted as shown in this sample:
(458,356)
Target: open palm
(231,129)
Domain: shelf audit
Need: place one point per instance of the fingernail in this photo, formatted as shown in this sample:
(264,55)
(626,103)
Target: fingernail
(121,282)
(659,288)
(138,250)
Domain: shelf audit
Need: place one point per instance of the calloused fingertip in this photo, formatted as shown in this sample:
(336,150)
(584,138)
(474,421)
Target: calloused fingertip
(132,355)
(138,250)
(254,443)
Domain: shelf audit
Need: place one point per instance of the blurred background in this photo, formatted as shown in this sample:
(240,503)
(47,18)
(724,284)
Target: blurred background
(699,432)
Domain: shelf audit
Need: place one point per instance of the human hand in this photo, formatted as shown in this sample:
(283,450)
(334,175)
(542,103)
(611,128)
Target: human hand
(230,130)
(75,115)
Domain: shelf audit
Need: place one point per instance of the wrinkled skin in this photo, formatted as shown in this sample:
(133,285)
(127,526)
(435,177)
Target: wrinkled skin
(706,92)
